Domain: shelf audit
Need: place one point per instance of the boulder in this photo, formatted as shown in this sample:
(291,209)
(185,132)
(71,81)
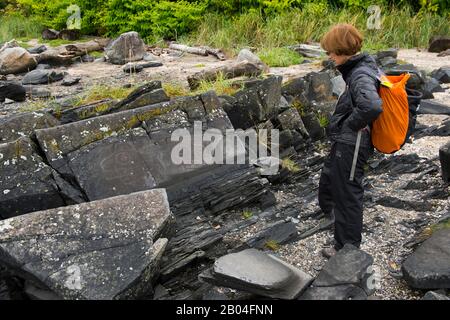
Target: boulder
(42,77)
(439,43)
(428,266)
(431,86)
(349,266)
(13,91)
(442,74)
(309,51)
(340,292)
(50,34)
(312,125)
(24,124)
(320,87)
(132,68)
(389,53)
(433,107)
(291,120)
(432,295)
(70,81)
(34,91)
(444,157)
(87,58)
(445,53)
(16,60)
(26,182)
(247,55)
(255,104)
(37,49)
(108,249)
(70,34)
(127,48)
(254,271)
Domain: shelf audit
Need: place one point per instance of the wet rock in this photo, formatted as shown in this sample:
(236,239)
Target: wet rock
(247,55)
(340,292)
(256,272)
(70,81)
(444,157)
(107,249)
(12,91)
(24,124)
(255,104)
(433,107)
(349,266)
(439,44)
(50,34)
(431,295)
(428,266)
(37,49)
(280,232)
(16,60)
(127,48)
(26,182)
(442,74)
(42,77)
(132,68)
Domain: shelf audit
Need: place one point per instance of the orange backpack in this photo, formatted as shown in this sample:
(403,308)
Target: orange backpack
(389,130)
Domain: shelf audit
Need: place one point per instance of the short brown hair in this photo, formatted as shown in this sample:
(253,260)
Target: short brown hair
(342,39)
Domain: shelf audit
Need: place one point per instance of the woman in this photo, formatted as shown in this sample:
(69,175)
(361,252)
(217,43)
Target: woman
(340,186)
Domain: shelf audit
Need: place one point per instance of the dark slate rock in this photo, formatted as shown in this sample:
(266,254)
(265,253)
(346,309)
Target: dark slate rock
(42,77)
(255,104)
(43,66)
(24,124)
(127,48)
(147,94)
(439,44)
(37,92)
(70,34)
(70,81)
(26,182)
(256,272)
(291,120)
(433,107)
(295,87)
(151,64)
(320,87)
(349,266)
(392,53)
(341,292)
(444,157)
(281,232)
(86,111)
(132,68)
(442,74)
(12,91)
(445,53)
(37,49)
(113,166)
(312,124)
(428,266)
(388,62)
(431,295)
(87,58)
(50,34)
(431,86)
(107,249)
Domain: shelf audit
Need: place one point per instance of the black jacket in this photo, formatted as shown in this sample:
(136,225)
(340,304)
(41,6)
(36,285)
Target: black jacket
(360,104)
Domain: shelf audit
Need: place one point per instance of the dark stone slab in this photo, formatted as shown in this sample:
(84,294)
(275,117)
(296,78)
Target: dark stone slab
(37,49)
(70,81)
(42,77)
(439,43)
(13,91)
(444,157)
(431,295)
(131,68)
(26,182)
(106,249)
(442,74)
(341,292)
(433,107)
(256,272)
(428,266)
(280,232)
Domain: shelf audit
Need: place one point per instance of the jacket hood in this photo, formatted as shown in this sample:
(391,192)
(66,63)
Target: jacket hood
(356,61)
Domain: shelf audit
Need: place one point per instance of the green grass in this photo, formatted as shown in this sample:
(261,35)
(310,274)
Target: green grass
(247,214)
(400,28)
(279,57)
(100,92)
(16,27)
(323,120)
(290,165)
(272,245)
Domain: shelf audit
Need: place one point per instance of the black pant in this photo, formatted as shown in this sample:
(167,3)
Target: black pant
(340,195)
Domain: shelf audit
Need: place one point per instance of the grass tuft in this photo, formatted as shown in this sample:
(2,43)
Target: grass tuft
(279,57)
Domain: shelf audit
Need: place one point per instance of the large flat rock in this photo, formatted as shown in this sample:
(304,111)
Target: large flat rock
(107,249)
(429,266)
(24,124)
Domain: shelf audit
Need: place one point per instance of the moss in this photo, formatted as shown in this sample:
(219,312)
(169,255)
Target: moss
(299,106)
(323,120)
(246,214)
(91,111)
(272,245)
(290,165)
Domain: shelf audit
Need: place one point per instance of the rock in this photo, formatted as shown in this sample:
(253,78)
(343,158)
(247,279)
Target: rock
(389,53)
(312,125)
(26,182)
(349,266)
(37,49)
(24,124)
(433,107)
(150,64)
(108,249)
(255,104)
(37,92)
(320,87)
(43,66)
(147,94)
(439,43)
(256,272)
(308,51)
(50,34)
(445,53)
(388,62)
(280,232)
(69,34)
(291,120)
(339,85)
(87,58)
(431,295)
(428,266)
(13,91)
(150,57)
(247,55)
(127,48)
(70,81)
(442,74)
(42,77)
(444,157)
(431,86)
(132,68)
(16,60)
(340,292)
